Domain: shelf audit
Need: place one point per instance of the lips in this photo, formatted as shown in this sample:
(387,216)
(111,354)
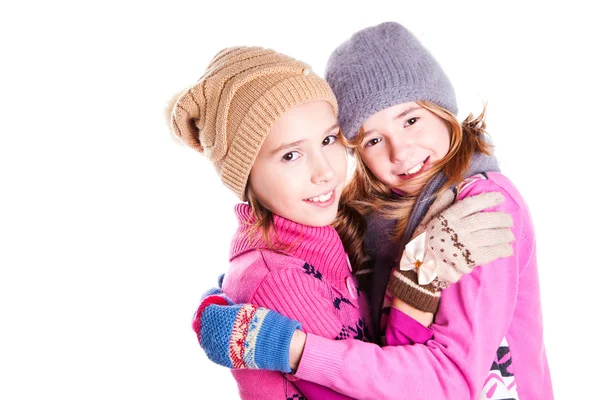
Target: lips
(323,200)
(416,170)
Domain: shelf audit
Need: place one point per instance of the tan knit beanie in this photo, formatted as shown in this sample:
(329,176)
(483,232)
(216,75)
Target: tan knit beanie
(228,113)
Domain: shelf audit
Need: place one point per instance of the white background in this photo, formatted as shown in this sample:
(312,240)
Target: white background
(110,230)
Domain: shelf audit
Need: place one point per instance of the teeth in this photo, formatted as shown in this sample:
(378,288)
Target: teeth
(414,170)
(322,198)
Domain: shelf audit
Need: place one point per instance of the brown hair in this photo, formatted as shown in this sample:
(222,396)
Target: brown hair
(365,194)
(262,222)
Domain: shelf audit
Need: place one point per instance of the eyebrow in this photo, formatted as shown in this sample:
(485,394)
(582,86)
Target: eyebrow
(287,145)
(296,143)
(402,114)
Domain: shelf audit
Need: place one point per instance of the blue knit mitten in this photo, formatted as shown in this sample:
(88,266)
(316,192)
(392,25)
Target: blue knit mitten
(243,335)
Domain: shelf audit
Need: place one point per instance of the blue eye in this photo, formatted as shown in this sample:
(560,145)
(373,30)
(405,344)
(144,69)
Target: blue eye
(372,142)
(291,156)
(329,140)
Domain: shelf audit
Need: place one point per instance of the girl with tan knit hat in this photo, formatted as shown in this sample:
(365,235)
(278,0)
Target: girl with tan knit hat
(269,126)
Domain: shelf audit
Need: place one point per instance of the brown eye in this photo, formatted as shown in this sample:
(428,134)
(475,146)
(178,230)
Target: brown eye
(291,156)
(329,140)
(411,121)
(372,142)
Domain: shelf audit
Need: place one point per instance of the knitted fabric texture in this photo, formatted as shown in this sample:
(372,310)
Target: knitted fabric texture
(309,280)
(405,286)
(228,113)
(318,246)
(243,336)
(458,237)
(379,67)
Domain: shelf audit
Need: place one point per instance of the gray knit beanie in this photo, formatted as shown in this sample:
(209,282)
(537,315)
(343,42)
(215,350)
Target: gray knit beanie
(379,67)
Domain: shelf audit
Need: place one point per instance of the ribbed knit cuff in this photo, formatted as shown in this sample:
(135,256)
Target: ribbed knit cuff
(404,286)
(273,342)
(321,361)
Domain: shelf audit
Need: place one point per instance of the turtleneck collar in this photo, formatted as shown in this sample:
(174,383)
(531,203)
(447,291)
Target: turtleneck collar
(320,247)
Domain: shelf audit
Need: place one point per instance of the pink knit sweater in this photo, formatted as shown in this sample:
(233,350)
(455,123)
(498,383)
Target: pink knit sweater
(491,318)
(310,282)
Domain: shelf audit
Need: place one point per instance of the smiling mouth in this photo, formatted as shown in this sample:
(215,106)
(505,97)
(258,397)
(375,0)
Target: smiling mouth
(324,198)
(414,170)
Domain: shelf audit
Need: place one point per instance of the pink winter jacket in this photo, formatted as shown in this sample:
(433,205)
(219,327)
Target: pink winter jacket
(310,281)
(487,336)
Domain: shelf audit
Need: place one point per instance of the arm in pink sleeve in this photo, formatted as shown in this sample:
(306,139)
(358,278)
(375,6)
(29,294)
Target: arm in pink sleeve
(473,317)
(296,295)
(401,330)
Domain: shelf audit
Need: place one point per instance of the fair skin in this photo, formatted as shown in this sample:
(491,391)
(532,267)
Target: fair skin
(300,170)
(401,142)
(299,174)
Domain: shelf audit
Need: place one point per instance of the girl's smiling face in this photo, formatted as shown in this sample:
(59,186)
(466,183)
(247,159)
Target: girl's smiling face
(300,170)
(401,142)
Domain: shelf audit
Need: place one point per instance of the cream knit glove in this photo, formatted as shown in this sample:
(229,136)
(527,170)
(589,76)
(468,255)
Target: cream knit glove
(450,241)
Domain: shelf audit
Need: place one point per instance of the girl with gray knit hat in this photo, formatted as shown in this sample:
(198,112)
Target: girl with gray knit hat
(419,172)
(398,112)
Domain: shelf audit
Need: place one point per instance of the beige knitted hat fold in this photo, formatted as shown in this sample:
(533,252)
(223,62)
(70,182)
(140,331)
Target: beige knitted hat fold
(228,113)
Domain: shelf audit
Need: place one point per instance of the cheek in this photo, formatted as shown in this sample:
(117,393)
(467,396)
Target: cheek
(436,139)
(284,186)
(443,139)
(444,143)
(374,162)
(263,184)
(339,161)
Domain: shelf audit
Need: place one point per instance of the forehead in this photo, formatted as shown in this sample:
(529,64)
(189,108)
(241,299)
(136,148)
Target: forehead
(302,122)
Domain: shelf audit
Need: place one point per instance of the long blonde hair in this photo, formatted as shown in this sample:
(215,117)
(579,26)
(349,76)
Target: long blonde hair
(366,194)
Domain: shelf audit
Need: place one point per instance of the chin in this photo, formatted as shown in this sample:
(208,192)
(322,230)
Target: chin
(325,220)
(321,222)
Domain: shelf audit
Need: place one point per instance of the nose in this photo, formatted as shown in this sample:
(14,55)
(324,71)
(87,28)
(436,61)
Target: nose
(400,149)
(322,170)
